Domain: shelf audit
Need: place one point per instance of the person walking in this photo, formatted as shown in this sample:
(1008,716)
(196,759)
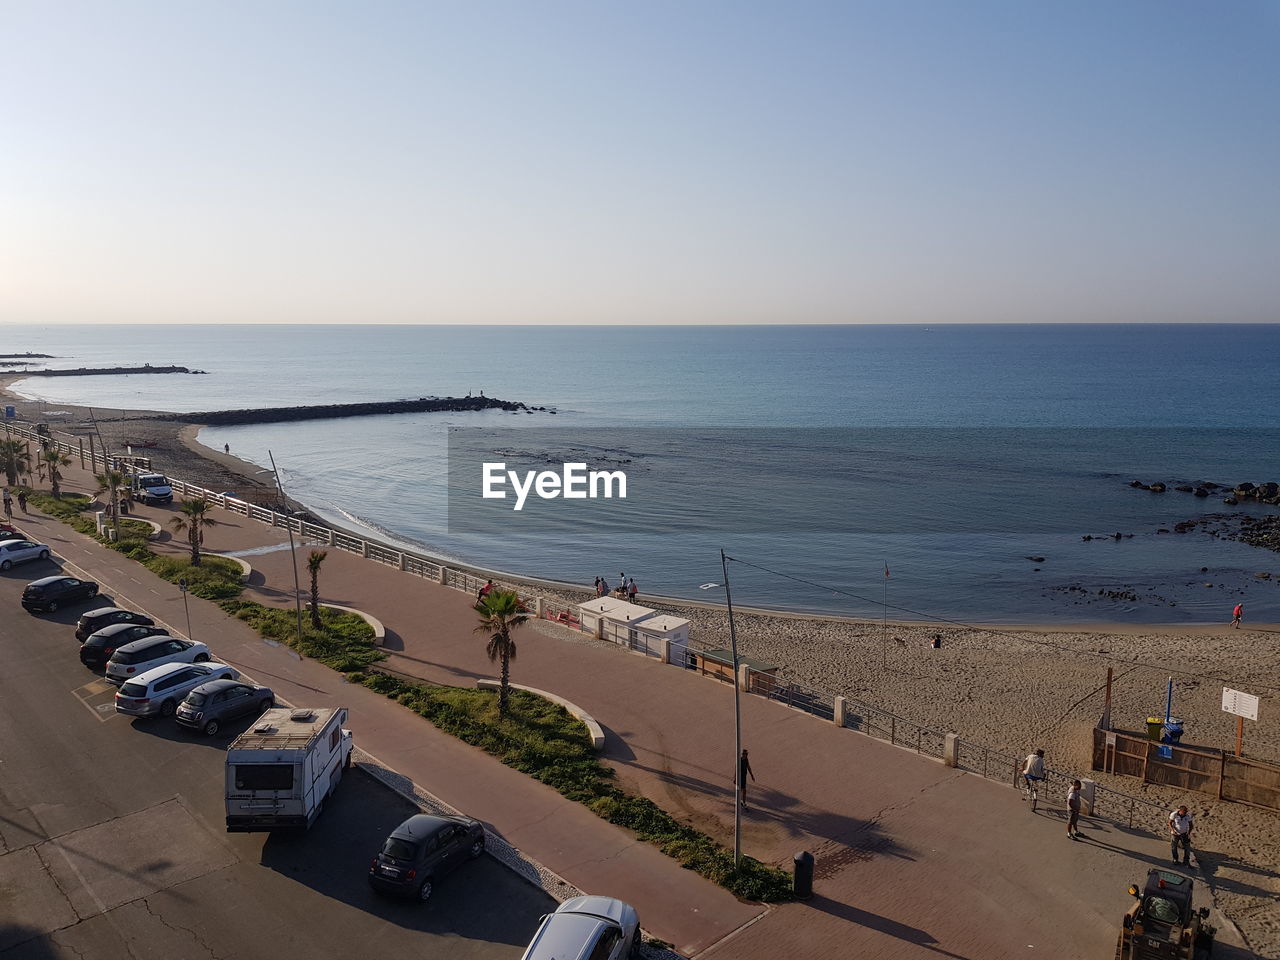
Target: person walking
(226,448)
(632,589)
(485,590)
(22,500)
(1236,614)
(744,771)
(8,504)
(1181,823)
(1073,805)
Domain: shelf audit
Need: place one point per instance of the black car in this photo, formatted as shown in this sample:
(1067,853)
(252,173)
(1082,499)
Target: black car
(98,648)
(93,621)
(49,593)
(421,850)
(216,702)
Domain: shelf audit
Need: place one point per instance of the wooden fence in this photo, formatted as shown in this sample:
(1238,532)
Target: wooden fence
(1200,769)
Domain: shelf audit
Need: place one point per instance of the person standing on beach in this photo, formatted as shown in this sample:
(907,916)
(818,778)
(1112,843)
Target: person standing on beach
(226,448)
(1236,614)
(603,589)
(744,771)
(597,586)
(1181,823)
(632,589)
(1073,805)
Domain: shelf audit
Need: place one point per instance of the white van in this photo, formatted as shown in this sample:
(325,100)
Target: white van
(282,769)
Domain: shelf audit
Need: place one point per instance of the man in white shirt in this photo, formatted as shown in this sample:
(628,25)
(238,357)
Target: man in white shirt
(1181,823)
(1033,770)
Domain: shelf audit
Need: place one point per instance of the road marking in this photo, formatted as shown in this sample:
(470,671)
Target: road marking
(92,695)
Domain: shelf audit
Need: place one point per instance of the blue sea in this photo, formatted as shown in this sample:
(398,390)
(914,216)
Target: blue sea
(948,455)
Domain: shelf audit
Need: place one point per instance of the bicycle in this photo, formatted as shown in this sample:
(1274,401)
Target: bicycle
(1032,785)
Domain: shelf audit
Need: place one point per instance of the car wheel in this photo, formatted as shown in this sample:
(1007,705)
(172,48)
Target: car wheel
(93,591)
(635,946)
(211,728)
(44,554)
(424,891)
(5,564)
(267,704)
(52,606)
(168,708)
(477,846)
(202,657)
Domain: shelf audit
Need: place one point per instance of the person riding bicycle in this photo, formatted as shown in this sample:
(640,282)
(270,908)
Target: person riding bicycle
(1033,769)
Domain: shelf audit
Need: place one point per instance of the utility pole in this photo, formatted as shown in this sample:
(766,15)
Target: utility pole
(737,721)
(293,552)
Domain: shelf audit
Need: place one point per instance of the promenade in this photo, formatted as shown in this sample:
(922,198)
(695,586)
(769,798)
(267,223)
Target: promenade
(913,859)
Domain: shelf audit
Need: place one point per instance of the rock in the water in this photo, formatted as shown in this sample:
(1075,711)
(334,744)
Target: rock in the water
(1157,488)
(1231,501)
(1201,492)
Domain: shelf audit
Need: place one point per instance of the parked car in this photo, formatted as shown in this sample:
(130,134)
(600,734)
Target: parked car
(159,691)
(134,659)
(421,850)
(94,620)
(599,928)
(7,532)
(215,702)
(99,647)
(49,593)
(13,552)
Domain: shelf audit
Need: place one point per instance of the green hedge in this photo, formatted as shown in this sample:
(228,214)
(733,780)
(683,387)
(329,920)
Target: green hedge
(544,741)
(343,642)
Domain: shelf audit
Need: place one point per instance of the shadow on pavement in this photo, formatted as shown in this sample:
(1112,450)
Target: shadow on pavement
(890,928)
(20,942)
(333,859)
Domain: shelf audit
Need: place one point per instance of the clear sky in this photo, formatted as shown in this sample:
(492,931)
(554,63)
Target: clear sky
(698,161)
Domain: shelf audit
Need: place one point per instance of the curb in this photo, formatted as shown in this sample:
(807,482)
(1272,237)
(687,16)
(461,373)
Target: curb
(246,571)
(379,631)
(594,730)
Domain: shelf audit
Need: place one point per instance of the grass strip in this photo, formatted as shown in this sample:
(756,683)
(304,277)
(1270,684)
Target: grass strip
(215,579)
(343,642)
(544,741)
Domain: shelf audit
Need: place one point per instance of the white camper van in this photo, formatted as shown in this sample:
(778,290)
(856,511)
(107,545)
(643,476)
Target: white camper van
(150,488)
(281,770)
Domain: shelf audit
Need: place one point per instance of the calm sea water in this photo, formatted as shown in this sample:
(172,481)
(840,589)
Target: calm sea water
(1069,414)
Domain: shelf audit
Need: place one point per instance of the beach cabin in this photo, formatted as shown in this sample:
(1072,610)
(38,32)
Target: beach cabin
(653,634)
(611,618)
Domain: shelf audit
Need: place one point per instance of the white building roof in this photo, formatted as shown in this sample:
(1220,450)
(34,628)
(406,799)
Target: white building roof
(664,623)
(610,608)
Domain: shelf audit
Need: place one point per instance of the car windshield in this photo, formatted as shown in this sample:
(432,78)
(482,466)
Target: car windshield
(196,699)
(133,690)
(153,482)
(33,591)
(398,849)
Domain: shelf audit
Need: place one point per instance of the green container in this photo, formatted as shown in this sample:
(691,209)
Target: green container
(1154,725)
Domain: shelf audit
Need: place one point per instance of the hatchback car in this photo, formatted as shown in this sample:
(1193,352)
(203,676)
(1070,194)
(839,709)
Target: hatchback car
(97,650)
(421,850)
(587,928)
(142,655)
(216,702)
(13,552)
(49,593)
(94,620)
(159,691)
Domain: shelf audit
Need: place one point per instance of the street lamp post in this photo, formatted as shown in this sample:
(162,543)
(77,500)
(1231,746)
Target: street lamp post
(182,585)
(288,525)
(737,719)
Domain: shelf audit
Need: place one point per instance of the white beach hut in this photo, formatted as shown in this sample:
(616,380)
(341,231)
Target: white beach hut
(653,634)
(611,618)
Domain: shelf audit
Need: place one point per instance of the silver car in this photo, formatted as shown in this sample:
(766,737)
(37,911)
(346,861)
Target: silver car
(20,551)
(136,658)
(587,928)
(158,692)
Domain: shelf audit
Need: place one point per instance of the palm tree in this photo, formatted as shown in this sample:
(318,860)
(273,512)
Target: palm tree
(16,459)
(55,459)
(314,559)
(193,523)
(112,482)
(500,614)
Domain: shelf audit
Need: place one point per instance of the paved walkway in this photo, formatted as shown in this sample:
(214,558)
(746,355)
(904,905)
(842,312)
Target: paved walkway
(914,859)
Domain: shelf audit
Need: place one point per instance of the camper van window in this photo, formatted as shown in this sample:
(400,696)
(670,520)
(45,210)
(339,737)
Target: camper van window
(264,776)
(334,736)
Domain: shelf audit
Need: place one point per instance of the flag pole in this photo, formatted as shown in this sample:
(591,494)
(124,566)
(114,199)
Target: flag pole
(884,619)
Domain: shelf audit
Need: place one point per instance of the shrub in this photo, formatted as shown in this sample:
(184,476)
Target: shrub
(343,642)
(542,740)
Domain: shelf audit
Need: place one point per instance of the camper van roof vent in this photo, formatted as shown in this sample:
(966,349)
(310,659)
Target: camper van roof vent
(302,716)
(264,728)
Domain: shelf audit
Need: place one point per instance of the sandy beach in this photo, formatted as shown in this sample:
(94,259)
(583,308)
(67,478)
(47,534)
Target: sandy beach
(1009,688)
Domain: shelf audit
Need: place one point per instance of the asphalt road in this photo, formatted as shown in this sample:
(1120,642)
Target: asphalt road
(112,839)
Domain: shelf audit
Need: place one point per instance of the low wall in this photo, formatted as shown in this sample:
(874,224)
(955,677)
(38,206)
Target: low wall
(594,730)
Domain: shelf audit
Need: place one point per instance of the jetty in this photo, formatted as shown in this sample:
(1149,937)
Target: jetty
(334,410)
(100,371)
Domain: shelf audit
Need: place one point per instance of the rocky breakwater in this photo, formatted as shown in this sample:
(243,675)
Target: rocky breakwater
(1268,492)
(335,410)
(99,371)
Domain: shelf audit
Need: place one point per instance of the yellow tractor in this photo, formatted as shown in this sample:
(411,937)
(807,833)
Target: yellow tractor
(1163,924)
